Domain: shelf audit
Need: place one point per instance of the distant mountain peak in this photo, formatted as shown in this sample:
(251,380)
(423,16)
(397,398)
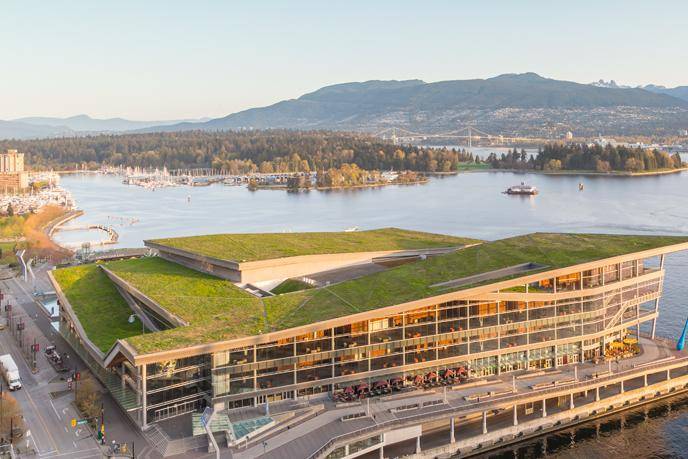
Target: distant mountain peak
(608,84)
(531,76)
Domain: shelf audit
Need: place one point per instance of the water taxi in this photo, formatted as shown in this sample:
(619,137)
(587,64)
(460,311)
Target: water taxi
(522,189)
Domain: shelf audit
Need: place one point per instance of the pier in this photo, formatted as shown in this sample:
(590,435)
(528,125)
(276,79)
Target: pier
(510,409)
(112,235)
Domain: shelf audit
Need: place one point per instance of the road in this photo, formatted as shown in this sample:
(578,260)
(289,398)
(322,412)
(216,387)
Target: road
(46,403)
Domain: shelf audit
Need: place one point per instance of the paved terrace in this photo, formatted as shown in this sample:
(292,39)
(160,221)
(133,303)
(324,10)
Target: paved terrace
(307,438)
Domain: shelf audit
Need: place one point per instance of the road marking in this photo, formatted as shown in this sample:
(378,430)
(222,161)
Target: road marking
(66,430)
(71,453)
(42,421)
(55,410)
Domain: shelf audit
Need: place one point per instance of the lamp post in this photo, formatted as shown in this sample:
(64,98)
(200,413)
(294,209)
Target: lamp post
(132,319)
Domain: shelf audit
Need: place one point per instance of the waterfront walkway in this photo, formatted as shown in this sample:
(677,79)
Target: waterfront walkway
(308,437)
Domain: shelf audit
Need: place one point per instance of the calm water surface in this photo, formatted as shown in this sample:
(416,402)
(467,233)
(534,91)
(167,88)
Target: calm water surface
(467,205)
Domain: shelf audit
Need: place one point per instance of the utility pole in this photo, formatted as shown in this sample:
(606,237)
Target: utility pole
(34,349)
(20,328)
(76,384)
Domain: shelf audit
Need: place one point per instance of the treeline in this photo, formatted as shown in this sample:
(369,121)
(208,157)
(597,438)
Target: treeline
(554,157)
(349,175)
(236,152)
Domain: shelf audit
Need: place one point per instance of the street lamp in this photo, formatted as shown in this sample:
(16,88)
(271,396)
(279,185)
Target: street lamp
(132,319)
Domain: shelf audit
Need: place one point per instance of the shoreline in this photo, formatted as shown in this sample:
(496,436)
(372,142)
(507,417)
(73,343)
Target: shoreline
(566,172)
(328,188)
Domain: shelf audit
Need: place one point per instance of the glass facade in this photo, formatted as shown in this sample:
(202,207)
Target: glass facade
(515,335)
(542,324)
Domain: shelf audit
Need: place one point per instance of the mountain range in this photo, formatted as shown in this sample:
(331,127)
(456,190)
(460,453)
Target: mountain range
(32,127)
(680,92)
(522,104)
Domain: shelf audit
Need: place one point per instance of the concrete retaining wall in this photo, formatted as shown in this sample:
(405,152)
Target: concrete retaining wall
(501,437)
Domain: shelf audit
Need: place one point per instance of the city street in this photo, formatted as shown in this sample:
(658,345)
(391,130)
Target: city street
(45,400)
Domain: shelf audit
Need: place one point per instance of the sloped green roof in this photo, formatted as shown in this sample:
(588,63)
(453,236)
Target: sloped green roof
(264,246)
(217,310)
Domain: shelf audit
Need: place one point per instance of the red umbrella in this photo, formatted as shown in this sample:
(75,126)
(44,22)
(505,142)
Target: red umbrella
(349,390)
(382,383)
(432,375)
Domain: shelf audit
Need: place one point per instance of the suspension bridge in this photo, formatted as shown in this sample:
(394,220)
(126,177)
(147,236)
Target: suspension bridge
(468,134)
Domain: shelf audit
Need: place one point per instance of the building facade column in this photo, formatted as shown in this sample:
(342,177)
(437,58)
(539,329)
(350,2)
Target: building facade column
(571,405)
(622,387)
(515,415)
(645,380)
(418,450)
(382,452)
(484,422)
(144,398)
(452,438)
(544,407)
(597,394)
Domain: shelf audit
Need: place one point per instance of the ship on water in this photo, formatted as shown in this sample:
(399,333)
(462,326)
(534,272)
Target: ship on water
(522,189)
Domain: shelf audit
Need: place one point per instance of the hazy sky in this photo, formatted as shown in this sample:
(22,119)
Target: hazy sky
(171,59)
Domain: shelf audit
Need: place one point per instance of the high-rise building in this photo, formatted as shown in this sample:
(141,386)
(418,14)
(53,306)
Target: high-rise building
(13,178)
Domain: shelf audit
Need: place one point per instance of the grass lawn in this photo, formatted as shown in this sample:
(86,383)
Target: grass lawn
(412,281)
(191,295)
(101,310)
(217,310)
(291,285)
(471,166)
(214,308)
(264,246)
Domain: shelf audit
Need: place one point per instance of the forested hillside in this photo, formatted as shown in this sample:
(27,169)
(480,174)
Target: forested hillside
(247,151)
(554,157)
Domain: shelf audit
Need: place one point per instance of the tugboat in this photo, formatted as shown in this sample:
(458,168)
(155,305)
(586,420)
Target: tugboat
(522,189)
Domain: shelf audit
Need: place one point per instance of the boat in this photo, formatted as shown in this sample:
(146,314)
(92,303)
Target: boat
(522,189)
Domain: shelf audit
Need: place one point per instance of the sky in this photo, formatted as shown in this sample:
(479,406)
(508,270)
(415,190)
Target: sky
(160,60)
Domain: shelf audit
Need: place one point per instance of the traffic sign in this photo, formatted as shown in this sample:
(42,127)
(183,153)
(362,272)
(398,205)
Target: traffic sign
(78,422)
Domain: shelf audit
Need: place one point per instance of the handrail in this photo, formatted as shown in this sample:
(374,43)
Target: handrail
(391,422)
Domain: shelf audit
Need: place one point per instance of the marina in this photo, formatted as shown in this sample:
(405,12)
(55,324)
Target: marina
(33,201)
(155,179)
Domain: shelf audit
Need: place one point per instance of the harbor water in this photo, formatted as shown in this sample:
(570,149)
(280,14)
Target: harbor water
(470,204)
